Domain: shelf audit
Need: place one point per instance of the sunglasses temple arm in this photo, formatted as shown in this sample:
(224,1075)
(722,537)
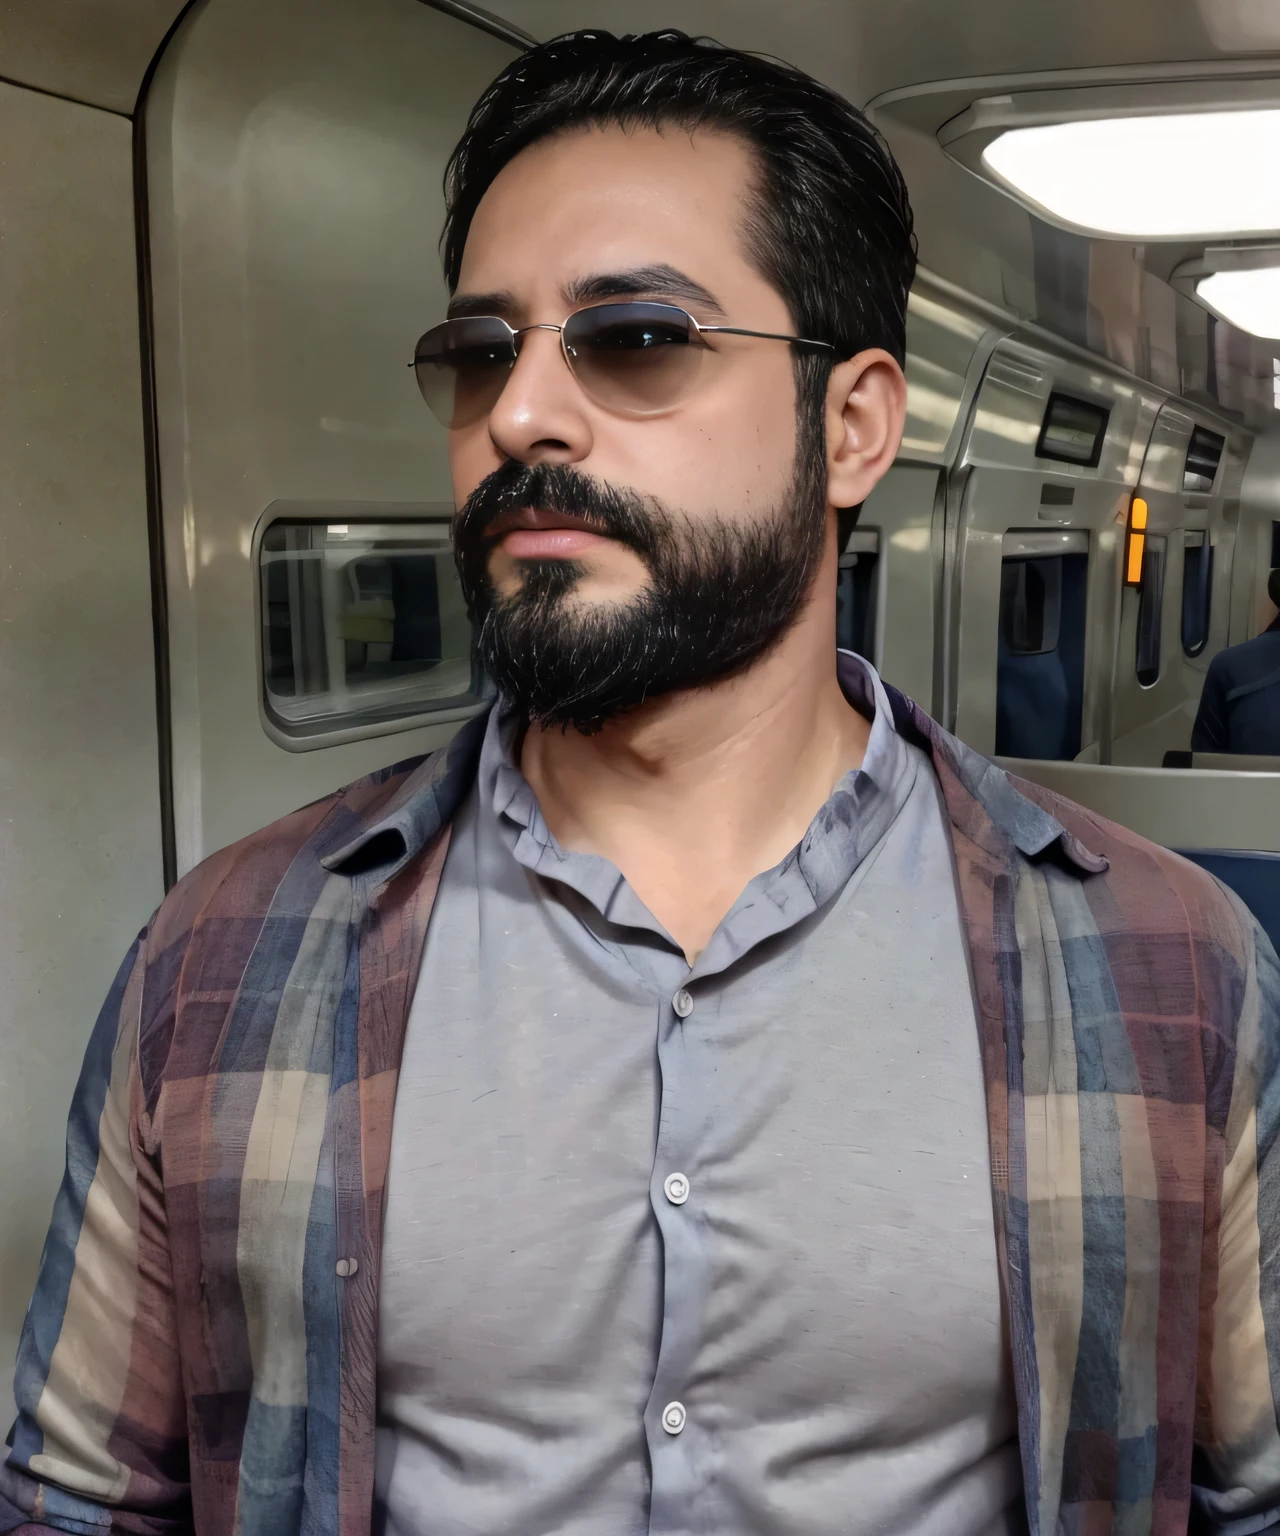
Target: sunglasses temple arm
(734,330)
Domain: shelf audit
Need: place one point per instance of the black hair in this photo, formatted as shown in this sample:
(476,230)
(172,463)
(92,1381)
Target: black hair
(1273,586)
(829,223)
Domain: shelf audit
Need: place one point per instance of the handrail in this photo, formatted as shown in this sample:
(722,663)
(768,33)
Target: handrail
(477,16)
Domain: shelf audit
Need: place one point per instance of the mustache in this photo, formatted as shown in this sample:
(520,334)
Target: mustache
(617,512)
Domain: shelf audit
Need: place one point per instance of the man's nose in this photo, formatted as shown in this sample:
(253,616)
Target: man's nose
(541,417)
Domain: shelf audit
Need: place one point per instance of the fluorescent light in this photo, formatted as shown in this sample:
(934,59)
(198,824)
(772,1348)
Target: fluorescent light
(1249,299)
(1161,177)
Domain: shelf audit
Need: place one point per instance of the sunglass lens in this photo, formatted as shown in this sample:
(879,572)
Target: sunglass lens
(638,359)
(461,367)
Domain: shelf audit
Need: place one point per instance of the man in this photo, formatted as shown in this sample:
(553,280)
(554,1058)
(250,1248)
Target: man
(706,1097)
(1240,702)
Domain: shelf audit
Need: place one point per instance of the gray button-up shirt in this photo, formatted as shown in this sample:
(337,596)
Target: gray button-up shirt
(675,1250)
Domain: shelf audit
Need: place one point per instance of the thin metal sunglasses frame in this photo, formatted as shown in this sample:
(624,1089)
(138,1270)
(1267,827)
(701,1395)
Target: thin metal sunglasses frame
(699,329)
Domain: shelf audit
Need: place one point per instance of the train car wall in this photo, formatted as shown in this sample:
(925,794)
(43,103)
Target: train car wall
(80,847)
(292,171)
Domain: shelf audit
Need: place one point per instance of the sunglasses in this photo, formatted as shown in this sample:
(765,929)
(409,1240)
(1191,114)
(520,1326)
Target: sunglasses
(636,359)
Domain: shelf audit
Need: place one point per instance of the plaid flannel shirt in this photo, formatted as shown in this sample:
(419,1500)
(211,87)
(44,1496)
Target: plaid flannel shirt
(200,1351)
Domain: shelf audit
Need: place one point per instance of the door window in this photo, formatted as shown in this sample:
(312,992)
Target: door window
(1040,654)
(1150,611)
(1197,588)
(362,622)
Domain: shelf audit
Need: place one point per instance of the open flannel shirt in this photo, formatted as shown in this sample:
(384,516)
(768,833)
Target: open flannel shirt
(200,1351)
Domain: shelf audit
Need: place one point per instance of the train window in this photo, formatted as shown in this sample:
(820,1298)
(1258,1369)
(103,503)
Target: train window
(362,622)
(1150,611)
(1030,605)
(1073,431)
(856,591)
(1040,655)
(1204,454)
(1197,587)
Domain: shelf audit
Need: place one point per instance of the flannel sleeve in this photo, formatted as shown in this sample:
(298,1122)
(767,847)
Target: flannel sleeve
(1238,1454)
(100,1438)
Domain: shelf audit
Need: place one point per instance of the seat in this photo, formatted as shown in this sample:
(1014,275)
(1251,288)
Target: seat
(1254,877)
(1230,762)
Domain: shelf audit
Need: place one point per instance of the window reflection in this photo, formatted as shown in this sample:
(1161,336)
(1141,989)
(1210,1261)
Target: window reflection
(362,622)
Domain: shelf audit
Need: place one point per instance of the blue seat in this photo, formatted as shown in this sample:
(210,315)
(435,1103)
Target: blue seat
(1254,877)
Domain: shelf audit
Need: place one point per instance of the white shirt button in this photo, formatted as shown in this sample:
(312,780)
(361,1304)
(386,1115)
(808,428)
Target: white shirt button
(682,1003)
(673,1417)
(347,1267)
(676,1188)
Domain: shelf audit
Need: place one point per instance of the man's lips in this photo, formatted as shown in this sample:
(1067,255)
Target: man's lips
(529,533)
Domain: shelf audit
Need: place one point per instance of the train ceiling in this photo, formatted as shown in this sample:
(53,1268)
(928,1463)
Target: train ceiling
(97,51)
(919,66)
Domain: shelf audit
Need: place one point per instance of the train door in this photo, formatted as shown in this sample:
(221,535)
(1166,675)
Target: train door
(315,623)
(1038,499)
(1040,664)
(1176,619)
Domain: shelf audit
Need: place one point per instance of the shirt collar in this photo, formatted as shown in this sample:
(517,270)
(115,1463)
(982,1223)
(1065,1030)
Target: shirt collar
(1028,825)
(860,810)
(393,831)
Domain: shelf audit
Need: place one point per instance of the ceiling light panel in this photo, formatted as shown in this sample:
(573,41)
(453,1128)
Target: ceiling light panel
(1248,299)
(1168,176)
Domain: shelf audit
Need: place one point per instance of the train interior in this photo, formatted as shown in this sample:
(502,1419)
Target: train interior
(227,579)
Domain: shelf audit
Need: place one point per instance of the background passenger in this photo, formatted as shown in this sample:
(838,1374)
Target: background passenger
(1240,704)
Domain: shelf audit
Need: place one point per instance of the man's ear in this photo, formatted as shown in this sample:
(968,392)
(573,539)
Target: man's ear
(866,412)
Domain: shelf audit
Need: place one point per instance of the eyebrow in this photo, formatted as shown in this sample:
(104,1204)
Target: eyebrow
(469,304)
(660,281)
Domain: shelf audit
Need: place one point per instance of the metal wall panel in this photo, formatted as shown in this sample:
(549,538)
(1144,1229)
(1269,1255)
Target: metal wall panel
(1259,508)
(949,339)
(296,154)
(80,862)
(1000,484)
(903,511)
(1156,718)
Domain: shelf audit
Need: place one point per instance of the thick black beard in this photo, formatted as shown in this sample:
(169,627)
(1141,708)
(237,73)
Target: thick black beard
(720,596)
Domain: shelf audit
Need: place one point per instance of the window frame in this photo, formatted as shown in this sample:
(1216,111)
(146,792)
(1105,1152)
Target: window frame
(1198,436)
(1043,451)
(1204,550)
(1051,612)
(1156,554)
(324,735)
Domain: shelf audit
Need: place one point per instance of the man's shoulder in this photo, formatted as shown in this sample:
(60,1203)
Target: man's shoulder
(241,881)
(226,938)
(1242,663)
(1135,889)
(1149,893)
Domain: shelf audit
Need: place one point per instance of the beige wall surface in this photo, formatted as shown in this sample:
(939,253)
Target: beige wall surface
(80,863)
(95,51)
(295,161)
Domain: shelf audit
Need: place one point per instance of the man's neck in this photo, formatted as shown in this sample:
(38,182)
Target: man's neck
(693,794)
